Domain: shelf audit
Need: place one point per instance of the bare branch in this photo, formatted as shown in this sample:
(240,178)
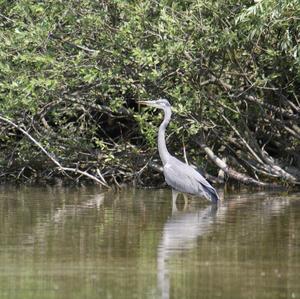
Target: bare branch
(50,156)
(229,171)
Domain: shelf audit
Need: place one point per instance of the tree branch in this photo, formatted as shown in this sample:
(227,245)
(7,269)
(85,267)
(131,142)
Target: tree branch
(50,156)
(229,171)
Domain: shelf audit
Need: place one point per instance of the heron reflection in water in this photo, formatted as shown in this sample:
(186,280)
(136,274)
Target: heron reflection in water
(180,234)
(182,177)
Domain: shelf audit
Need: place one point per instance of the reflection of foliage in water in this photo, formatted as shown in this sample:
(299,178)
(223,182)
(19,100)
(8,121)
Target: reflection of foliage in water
(78,243)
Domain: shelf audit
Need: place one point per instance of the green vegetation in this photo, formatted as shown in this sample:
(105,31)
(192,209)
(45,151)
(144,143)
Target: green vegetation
(71,73)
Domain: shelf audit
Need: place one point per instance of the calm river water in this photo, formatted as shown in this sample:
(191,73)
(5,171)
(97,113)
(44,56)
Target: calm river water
(82,243)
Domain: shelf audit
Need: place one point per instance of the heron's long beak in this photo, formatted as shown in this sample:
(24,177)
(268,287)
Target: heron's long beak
(148,103)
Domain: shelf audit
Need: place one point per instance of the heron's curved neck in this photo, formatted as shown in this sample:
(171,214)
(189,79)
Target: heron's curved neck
(162,147)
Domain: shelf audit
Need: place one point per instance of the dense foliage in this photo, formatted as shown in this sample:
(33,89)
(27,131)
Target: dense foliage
(71,73)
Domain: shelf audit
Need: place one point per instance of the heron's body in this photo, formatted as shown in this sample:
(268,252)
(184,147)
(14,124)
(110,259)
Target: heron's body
(184,178)
(180,176)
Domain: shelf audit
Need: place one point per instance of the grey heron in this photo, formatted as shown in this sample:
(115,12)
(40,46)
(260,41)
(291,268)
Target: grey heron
(182,177)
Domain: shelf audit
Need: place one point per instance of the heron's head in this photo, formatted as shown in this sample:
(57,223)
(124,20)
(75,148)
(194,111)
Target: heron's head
(160,103)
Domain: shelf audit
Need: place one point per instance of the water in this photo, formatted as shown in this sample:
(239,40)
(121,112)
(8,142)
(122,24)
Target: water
(81,243)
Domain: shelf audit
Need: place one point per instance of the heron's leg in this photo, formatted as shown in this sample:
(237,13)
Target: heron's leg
(186,200)
(174,197)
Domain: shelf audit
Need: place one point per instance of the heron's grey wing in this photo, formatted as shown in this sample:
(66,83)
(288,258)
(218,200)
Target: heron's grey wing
(181,178)
(185,178)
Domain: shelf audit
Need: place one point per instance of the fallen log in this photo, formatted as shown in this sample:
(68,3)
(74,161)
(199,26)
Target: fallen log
(232,173)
